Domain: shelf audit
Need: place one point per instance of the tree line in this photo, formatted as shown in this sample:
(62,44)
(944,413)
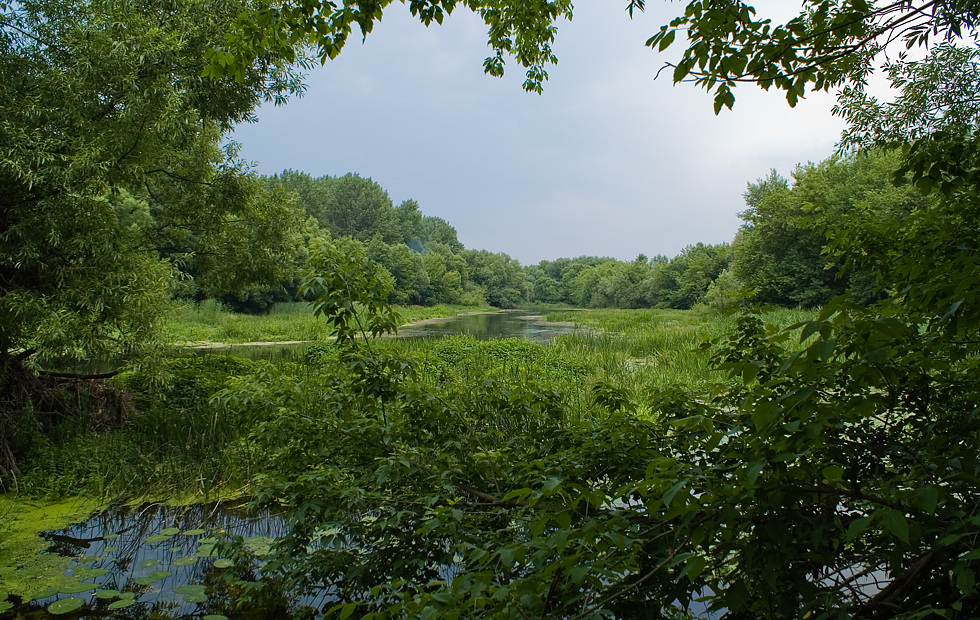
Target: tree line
(780,255)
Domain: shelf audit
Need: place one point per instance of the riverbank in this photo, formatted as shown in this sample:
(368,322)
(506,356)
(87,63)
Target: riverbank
(208,325)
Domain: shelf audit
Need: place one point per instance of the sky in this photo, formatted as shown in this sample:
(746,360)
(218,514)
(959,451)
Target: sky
(608,161)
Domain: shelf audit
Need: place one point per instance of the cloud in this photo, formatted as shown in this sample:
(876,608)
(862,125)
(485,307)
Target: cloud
(608,161)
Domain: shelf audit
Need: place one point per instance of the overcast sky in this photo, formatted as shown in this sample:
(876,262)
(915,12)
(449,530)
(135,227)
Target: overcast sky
(608,161)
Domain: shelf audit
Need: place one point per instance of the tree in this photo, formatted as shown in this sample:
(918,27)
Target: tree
(408,269)
(500,276)
(834,473)
(780,251)
(110,153)
(408,225)
(437,230)
(358,207)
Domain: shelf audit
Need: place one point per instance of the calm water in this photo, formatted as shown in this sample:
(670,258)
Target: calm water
(152,552)
(487,326)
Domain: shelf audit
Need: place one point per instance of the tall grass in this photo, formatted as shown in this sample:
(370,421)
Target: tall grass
(182,439)
(644,350)
(209,322)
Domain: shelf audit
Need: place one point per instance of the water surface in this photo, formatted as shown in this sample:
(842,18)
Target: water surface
(489,326)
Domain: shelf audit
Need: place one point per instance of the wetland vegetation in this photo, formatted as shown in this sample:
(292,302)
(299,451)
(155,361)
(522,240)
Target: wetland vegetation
(785,426)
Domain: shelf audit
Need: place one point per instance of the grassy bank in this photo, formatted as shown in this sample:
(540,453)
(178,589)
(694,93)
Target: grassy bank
(209,322)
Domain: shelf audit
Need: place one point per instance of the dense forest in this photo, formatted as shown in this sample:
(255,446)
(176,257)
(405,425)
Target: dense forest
(778,256)
(813,462)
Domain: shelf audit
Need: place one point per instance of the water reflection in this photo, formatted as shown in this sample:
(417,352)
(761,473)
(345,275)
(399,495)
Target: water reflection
(490,325)
(152,555)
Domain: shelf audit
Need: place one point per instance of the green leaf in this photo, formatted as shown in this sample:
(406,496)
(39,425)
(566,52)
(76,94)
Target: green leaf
(223,563)
(77,587)
(966,580)
(832,473)
(857,527)
(156,538)
(196,532)
(695,567)
(122,603)
(170,531)
(668,497)
(107,594)
(894,521)
(65,605)
(563,519)
(927,499)
(753,471)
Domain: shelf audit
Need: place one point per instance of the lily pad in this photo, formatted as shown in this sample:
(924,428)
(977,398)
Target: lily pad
(87,573)
(185,561)
(87,559)
(192,593)
(45,593)
(111,549)
(160,574)
(65,605)
(156,538)
(121,603)
(149,563)
(170,531)
(77,587)
(215,617)
(111,536)
(196,532)
(107,594)
(223,563)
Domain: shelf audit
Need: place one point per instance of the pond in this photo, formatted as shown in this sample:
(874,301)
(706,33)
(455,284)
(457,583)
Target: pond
(156,560)
(490,325)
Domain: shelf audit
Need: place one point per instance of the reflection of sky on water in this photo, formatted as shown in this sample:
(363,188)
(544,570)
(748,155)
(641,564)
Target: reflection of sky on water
(117,541)
(489,326)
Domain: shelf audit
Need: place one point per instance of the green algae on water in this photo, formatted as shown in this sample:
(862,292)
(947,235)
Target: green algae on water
(24,570)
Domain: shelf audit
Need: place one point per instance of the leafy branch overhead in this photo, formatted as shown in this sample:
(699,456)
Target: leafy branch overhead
(523,30)
(830,43)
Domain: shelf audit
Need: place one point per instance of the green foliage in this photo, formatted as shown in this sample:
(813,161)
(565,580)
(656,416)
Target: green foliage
(342,282)
(940,152)
(780,253)
(110,146)
(498,275)
(522,31)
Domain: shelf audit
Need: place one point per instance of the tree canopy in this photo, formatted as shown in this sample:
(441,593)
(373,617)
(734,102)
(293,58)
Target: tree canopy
(116,183)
